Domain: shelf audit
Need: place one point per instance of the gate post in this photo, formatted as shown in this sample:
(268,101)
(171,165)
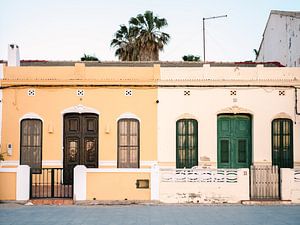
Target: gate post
(287,176)
(155,182)
(80,183)
(23,183)
(244,184)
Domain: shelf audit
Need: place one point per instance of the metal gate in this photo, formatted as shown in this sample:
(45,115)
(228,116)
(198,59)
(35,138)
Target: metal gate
(49,183)
(264,182)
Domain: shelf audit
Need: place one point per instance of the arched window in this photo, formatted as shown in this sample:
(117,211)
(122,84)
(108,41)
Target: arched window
(128,143)
(282,143)
(31,144)
(186,143)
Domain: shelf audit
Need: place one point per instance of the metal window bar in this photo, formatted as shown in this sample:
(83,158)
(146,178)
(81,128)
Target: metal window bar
(49,184)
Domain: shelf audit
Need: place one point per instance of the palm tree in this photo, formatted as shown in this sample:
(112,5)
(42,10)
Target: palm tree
(142,40)
(124,41)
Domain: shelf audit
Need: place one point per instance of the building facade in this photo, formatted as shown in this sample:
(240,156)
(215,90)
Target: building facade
(281,39)
(173,132)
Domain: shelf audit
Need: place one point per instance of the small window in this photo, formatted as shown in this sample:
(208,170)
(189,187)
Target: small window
(128,143)
(142,183)
(282,143)
(31,144)
(186,143)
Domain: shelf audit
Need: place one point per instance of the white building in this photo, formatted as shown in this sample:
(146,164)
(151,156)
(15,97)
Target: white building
(214,117)
(281,39)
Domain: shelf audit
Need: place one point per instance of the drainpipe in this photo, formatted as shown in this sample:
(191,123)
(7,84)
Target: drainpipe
(296,101)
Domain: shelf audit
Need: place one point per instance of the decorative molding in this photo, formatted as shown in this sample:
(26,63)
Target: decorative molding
(234,110)
(31,115)
(10,163)
(128,115)
(186,116)
(114,163)
(52,163)
(8,170)
(107,163)
(118,170)
(282,115)
(80,109)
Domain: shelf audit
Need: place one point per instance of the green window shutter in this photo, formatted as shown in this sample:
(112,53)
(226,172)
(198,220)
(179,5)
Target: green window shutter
(186,143)
(282,143)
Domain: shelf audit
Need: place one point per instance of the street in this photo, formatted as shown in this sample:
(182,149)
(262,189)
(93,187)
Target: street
(12,214)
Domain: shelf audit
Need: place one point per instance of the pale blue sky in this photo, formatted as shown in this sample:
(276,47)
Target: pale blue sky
(66,29)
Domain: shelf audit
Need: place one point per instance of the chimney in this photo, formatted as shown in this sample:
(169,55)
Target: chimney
(13,55)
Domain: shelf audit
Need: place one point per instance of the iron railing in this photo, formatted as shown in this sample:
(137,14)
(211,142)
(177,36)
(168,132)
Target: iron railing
(49,183)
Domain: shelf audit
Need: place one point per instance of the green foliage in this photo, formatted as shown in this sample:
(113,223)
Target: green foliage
(192,58)
(142,39)
(89,58)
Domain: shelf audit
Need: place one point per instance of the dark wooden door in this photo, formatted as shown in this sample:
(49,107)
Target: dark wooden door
(234,141)
(80,142)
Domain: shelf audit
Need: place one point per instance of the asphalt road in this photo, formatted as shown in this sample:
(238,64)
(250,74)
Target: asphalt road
(150,214)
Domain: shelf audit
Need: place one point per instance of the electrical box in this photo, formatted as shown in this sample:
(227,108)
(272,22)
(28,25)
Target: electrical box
(9,149)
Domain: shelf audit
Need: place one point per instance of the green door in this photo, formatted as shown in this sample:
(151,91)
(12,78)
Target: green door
(186,143)
(282,143)
(234,141)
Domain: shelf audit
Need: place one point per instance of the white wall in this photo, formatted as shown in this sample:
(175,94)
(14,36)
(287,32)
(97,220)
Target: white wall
(205,103)
(281,41)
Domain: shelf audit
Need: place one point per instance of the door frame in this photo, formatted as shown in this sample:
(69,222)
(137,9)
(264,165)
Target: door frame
(250,145)
(76,109)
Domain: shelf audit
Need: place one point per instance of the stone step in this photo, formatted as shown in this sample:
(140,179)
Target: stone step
(51,201)
(266,202)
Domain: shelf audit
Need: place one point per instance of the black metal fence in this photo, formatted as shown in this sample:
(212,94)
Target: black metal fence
(49,183)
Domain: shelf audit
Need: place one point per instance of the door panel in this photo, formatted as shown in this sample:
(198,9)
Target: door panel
(80,142)
(234,141)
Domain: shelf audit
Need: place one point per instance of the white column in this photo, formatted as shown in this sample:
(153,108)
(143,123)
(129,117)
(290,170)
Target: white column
(243,184)
(80,183)
(155,182)
(23,182)
(287,179)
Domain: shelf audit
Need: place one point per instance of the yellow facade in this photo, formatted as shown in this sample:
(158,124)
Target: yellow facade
(55,91)
(104,89)
(116,186)
(7,186)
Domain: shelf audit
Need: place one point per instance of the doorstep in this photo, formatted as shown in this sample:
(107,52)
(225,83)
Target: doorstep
(50,201)
(266,202)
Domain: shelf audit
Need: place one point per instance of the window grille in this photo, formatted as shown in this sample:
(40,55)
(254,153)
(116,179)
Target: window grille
(186,93)
(128,143)
(80,92)
(282,143)
(31,144)
(233,93)
(31,92)
(128,92)
(281,93)
(186,143)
